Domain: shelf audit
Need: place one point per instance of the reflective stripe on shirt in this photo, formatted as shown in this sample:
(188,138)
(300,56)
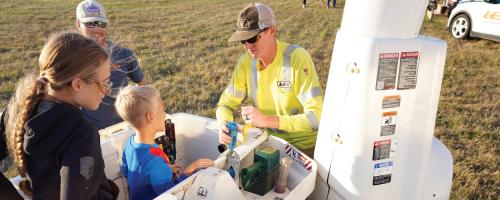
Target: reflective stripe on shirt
(286,73)
(313,92)
(312,120)
(236,93)
(253,82)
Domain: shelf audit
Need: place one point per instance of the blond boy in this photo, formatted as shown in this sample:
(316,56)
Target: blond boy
(144,164)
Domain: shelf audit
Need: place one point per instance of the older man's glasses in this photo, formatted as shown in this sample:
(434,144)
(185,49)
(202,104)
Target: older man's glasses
(254,39)
(95,24)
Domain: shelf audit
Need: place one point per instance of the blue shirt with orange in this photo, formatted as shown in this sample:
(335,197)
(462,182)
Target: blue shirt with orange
(147,170)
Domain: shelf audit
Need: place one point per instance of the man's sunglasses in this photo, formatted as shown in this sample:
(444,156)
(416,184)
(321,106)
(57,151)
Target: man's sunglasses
(95,24)
(254,39)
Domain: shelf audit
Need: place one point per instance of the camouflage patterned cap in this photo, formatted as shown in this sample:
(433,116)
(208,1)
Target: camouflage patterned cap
(251,20)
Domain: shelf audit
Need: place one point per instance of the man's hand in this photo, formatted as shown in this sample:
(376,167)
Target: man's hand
(197,165)
(254,117)
(224,138)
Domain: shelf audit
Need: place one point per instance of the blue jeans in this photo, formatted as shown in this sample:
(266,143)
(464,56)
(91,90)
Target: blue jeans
(334,3)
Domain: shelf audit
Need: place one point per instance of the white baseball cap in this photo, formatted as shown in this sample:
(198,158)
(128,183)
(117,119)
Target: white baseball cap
(89,11)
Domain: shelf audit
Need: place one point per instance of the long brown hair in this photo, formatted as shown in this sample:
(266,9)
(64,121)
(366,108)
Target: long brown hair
(64,57)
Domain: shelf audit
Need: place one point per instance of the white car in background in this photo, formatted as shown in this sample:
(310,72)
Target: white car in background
(476,18)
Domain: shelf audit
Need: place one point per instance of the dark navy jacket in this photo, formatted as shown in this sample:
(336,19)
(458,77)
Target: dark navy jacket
(64,158)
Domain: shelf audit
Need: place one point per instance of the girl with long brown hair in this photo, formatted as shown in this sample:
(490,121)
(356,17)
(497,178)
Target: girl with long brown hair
(57,152)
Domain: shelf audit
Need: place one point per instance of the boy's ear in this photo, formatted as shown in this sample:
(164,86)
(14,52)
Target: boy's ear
(149,117)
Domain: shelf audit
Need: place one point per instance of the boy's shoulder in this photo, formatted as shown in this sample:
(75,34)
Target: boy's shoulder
(131,145)
(145,153)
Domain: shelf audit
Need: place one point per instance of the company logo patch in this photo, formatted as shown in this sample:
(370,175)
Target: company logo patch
(284,84)
(94,10)
(87,166)
(244,23)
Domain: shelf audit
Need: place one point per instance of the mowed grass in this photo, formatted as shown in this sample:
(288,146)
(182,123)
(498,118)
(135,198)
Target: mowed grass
(183,50)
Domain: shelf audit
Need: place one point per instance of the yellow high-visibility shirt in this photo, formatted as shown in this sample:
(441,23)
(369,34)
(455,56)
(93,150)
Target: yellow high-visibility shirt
(288,88)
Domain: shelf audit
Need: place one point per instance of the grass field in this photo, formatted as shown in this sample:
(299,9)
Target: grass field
(183,50)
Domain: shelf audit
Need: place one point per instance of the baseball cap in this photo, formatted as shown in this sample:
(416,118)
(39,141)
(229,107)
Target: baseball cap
(251,20)
(89,11)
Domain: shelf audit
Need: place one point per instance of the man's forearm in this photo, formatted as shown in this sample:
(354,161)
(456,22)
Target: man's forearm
(272,121)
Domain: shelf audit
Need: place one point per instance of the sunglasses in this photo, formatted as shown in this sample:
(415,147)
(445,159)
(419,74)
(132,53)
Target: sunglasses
(95,24)
(254,39)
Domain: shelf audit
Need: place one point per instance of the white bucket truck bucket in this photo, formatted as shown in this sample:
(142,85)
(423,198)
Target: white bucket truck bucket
(197,137)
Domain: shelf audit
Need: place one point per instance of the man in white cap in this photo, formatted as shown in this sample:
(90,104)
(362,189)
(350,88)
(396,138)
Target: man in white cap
(92,22)
(279,79)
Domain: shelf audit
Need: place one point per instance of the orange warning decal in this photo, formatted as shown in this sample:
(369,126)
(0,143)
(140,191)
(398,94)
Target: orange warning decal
(395,97)
(386,114)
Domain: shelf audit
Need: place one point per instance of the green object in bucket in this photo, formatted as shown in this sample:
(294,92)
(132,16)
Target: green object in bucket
(261,177)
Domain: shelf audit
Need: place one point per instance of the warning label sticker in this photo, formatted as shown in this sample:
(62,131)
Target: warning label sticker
(388,126)
(381,149)
(387,70)
(384,149)
(382,173)
(298,157)
(408,70)
(391,101)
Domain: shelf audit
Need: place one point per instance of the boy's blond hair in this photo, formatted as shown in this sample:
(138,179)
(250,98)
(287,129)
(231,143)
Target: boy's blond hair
(133,102)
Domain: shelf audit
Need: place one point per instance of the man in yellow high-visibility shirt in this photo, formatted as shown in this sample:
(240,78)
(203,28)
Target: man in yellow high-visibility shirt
(279,79)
